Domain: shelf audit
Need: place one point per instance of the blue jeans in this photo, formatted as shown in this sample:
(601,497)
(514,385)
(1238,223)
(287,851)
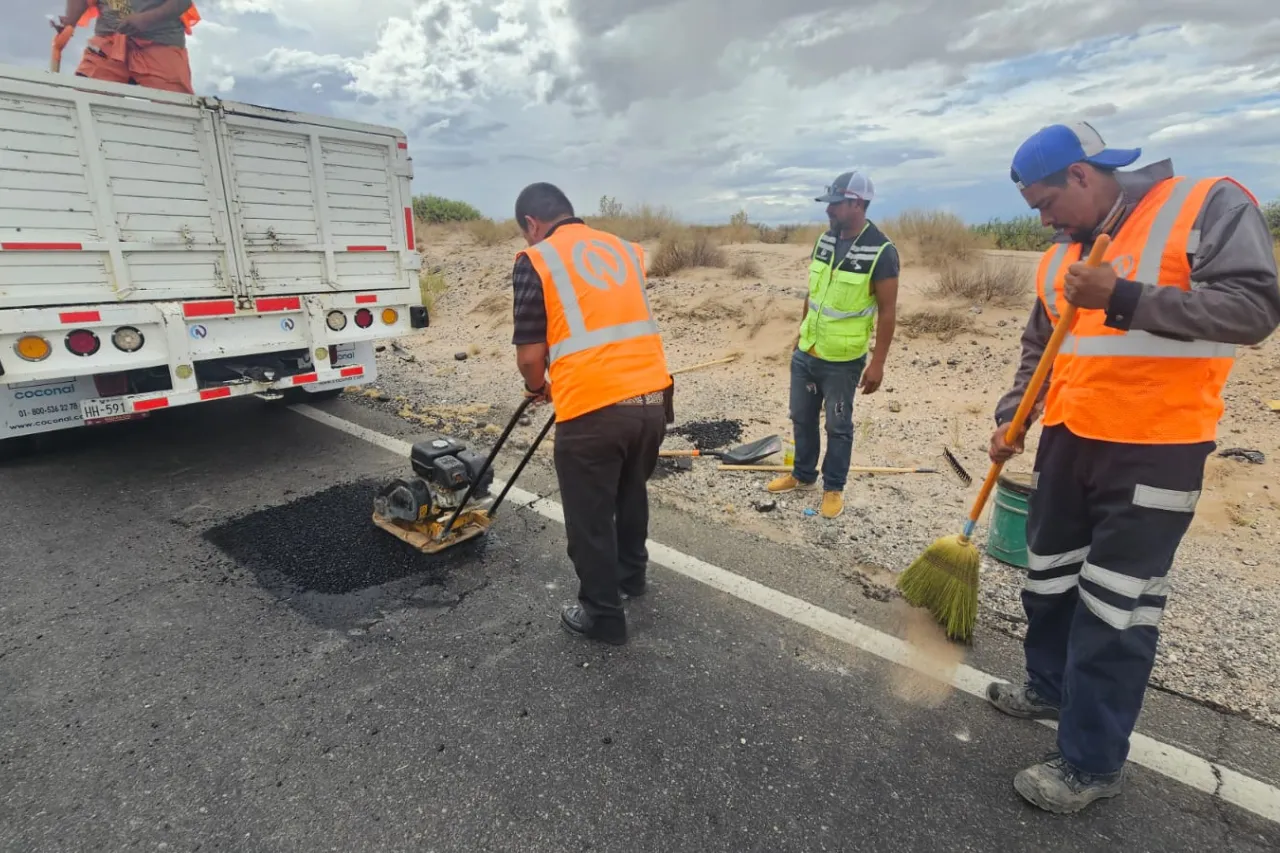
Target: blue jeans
(818,385)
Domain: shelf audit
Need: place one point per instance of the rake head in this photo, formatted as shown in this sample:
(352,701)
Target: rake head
(953,464)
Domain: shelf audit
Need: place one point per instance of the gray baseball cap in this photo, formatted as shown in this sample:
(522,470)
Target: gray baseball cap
(849,185)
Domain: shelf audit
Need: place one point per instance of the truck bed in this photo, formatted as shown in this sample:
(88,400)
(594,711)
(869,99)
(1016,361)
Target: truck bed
(112,194)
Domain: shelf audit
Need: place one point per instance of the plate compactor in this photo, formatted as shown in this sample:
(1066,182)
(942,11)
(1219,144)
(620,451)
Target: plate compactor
(448,501)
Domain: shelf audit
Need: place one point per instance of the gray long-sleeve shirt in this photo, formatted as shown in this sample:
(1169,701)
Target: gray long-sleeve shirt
(1236,298)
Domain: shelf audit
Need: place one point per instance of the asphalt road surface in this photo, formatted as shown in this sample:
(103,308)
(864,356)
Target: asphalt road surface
(205,645)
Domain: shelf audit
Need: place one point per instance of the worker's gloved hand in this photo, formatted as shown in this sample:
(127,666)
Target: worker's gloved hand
(1002,451)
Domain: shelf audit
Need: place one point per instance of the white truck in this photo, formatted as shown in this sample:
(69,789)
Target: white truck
(161,250)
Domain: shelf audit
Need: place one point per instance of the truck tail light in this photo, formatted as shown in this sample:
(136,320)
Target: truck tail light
(32,348)
(364,318)
(83,342)
(127,339)
(389,316)
(336,320)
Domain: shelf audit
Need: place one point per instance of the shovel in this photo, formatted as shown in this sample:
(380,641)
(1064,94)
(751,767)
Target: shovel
(743,454)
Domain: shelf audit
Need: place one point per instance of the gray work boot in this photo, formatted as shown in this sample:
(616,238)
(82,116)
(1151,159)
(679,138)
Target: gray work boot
(1057,787)
(1021,701)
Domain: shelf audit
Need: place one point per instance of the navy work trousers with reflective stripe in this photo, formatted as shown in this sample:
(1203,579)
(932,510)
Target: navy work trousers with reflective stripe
(1104,521)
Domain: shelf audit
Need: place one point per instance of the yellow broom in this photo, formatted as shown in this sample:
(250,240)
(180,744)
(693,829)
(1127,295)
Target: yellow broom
(944,579)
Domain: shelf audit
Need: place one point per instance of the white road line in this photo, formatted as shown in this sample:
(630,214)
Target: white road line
(1175,763)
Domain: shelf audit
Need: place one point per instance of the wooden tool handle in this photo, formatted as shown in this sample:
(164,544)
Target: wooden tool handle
(679,452)
(853,469)
(1060,331)
(704,364)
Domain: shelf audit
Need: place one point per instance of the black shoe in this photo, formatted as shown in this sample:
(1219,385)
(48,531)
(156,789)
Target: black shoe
(1056,786)
(576,620)
(1021,701)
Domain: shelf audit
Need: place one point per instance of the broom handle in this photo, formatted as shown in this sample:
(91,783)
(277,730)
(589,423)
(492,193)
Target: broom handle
(1029,396)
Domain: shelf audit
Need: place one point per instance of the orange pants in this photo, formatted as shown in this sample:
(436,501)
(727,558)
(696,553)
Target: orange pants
(126,59)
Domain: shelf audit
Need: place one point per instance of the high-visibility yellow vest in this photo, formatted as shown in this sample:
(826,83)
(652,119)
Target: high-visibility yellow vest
(842,306)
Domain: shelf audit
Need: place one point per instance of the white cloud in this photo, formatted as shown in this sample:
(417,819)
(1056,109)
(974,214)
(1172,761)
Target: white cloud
(707,106)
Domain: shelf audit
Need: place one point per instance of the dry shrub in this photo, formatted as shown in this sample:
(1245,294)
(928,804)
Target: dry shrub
(746,267)
(682,250)
(943,323)
(934,238)
(803,235)
(1004,283)
(641,223)
(431,284)
(486,232)
(739,230)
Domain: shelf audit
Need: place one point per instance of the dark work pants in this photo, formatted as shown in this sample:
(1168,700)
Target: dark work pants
(823,387)
(603,460)
(1104,521)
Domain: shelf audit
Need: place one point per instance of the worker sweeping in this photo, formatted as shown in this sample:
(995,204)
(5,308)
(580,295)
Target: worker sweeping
(1129,417)
(139,42)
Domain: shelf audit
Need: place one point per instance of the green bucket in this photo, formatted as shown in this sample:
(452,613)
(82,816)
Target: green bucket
(1007,533)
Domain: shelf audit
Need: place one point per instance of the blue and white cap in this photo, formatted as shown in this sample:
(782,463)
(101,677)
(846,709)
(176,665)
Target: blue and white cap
(849,185)
(1052,149)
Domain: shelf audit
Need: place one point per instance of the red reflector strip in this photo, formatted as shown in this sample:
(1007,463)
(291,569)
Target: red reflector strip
(402,145)
(215,393)
(216,308)
(148,405)
(42,247)
(80,317)
(409,239)
(279,303)
(366,248)
(304,378)
(348,372)
(367,299)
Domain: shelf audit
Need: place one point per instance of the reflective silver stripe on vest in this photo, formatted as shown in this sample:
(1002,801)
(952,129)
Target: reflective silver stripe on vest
(1161,230)
(1140,344)
(579,338)
(1144,345)
(1049,287)
(841,315)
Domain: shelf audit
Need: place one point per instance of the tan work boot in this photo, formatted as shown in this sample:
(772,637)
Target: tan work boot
(788,483)
(832,504)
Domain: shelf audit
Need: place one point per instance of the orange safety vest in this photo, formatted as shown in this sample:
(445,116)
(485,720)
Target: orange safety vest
(603,343)
(1136,387)
(190,18)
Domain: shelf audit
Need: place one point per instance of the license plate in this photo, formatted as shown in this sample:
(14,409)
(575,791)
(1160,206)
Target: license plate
(97,410)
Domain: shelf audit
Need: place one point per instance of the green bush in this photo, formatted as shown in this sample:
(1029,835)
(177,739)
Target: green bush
(1021,234)
(433,210)
(1271,210)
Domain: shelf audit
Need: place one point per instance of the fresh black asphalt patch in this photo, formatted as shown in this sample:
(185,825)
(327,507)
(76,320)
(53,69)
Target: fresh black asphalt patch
(323,555)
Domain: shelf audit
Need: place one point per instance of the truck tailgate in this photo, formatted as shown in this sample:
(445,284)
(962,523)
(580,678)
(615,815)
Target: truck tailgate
(114,193)
(318,207)
(106,198)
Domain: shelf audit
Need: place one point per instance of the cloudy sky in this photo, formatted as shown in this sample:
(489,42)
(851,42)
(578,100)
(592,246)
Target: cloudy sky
(709,106)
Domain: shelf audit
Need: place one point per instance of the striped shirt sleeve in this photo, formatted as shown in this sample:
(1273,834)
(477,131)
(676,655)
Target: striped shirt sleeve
(529,309)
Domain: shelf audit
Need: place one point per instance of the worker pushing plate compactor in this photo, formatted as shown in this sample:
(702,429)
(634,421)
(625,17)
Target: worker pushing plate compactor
(447,500)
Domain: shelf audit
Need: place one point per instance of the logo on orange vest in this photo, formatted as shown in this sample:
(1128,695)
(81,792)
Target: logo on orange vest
(599,264)
(1125,266)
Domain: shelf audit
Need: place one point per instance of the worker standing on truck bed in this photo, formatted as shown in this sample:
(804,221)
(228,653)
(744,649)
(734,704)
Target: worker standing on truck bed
(1130,416)
(141,42)
(587,342)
